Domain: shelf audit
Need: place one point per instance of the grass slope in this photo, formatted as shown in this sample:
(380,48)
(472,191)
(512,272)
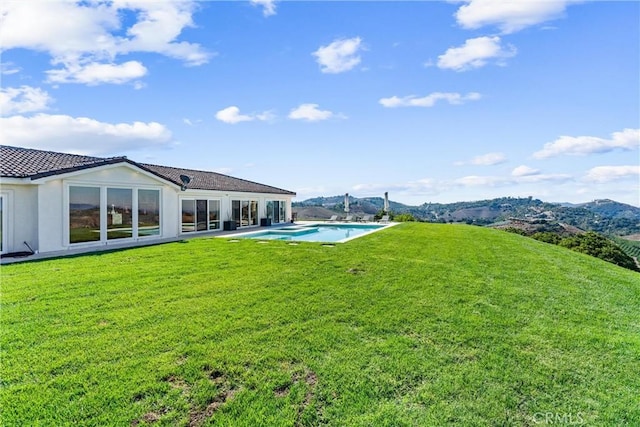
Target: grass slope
(420,324)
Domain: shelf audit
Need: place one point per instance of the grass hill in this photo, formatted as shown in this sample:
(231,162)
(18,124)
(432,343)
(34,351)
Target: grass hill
(603,216)
(418,324)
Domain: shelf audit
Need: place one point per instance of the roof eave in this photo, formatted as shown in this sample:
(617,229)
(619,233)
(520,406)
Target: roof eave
(67,172)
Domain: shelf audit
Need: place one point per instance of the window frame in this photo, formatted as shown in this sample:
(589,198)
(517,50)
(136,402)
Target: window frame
(207,217)
(103,207)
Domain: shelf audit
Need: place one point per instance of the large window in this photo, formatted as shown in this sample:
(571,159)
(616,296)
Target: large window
(102,214)
(200,215)
(119,213)
(253,212)
(276,210)
(188,216)
(84,214)
(235,211)
(214,214)
(245,212)
(148,212)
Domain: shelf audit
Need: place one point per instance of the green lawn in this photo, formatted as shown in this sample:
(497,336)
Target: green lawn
(416,325)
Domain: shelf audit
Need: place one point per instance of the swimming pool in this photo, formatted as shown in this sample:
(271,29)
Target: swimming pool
(329,233)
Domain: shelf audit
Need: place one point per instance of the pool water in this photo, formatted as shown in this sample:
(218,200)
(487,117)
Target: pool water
(328,233)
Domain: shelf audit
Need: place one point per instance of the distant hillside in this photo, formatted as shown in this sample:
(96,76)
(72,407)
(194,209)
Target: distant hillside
(604,216)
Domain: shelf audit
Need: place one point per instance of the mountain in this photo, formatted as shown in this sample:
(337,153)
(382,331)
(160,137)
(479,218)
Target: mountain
(604,216)
(612,209)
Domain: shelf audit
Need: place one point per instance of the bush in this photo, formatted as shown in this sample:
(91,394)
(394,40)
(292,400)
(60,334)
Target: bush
(547,237)
(515,230)
(404,218)
(596,245)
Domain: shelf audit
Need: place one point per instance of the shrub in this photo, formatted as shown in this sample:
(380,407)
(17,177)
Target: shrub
(547,237)
(405,217)
(596,245)
(515,230)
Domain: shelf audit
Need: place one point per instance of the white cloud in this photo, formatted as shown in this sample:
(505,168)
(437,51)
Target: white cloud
(232,116)
(612,173)
(475,53)
(311,113)
(86,37)
(23,99)
(82,135)
(524,170)
(540,177)
(339,56)
(190,122)
(627,139)
(8,68)
(429,100)
(509,16)
(266,116)
(421,187)
(495,181)
(484,181)
(268,6)
(97,73)
(158,26)
(489,159)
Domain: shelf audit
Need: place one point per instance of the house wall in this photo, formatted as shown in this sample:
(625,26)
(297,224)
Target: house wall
(22,216)
(50,216)
(38,212)
(226,197)
(53,202)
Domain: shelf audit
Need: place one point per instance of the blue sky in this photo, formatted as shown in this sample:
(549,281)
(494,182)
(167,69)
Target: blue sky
(431,101)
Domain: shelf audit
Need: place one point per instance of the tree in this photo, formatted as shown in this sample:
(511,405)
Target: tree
(596,245)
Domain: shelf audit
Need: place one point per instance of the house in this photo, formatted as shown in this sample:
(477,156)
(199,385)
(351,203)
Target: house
(52,202)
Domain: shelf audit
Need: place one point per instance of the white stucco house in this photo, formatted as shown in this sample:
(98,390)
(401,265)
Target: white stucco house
(52,202)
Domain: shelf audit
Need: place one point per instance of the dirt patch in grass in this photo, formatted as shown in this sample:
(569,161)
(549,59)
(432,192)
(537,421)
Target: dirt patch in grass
(198,417)
(150,417)
(300,375)
(177,382)
(311,379)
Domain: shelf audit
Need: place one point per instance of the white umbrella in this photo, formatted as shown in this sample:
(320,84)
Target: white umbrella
(386,202)
(346,203)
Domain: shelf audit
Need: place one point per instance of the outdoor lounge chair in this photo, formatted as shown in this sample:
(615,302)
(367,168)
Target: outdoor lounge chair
(365,218)
(348,218)
(333,218)
(384,219)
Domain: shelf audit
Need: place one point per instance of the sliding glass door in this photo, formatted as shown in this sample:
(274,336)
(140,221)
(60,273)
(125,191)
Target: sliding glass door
(101,214)
(276,210)
(120,213)
(245,212)
(84,214)
(200,215)
(148,213)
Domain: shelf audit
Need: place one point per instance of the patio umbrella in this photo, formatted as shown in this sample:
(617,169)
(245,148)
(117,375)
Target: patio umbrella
(386,202)
(346,203)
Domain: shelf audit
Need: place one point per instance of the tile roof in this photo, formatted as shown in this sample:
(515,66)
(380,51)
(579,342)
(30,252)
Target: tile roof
(17,162)
(203,180)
